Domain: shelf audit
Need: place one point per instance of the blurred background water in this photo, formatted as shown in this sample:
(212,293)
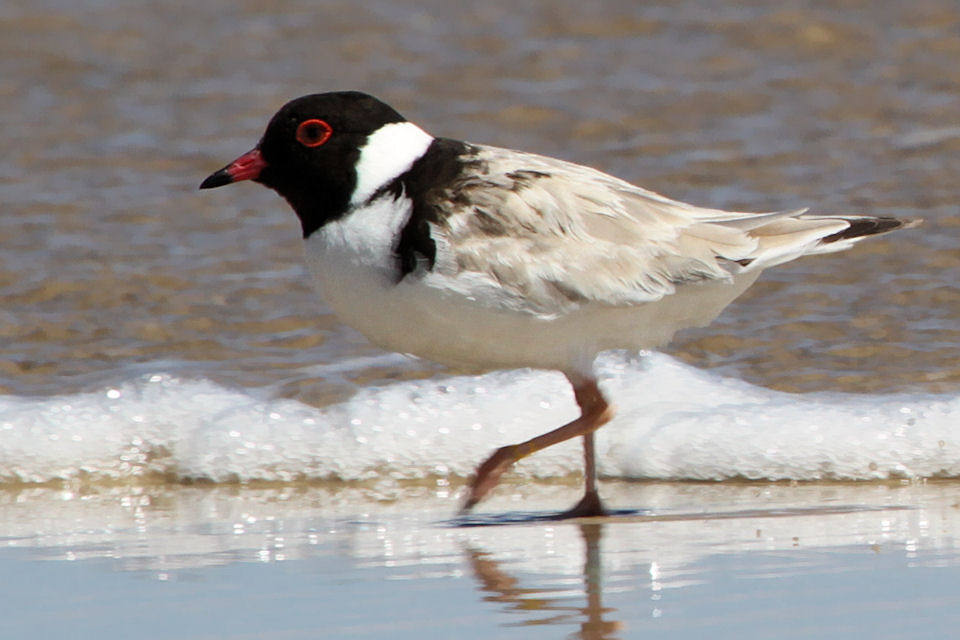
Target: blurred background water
(114,112)
(152,335)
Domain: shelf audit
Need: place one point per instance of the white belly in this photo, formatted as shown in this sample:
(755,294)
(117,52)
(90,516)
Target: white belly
(457,321)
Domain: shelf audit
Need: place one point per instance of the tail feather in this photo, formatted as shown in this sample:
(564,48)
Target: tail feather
(865,226)
(784,238)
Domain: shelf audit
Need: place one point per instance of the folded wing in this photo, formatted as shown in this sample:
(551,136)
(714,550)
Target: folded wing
(560,234)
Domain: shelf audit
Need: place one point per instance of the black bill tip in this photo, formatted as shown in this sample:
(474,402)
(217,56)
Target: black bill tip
(217,179)
(246,167)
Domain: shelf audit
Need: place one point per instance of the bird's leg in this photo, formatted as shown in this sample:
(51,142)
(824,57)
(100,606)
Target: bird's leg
(594,413)
(590,504)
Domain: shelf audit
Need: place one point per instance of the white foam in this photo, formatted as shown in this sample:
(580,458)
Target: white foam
(674,422)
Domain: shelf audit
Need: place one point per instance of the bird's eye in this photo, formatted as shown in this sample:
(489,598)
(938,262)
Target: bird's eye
(313,133)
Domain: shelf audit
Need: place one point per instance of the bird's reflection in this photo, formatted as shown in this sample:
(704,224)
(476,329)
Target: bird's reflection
(552,606)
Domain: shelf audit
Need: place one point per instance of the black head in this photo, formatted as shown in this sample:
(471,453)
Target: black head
(309,153)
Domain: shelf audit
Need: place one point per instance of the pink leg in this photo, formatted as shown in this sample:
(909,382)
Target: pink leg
(594,413)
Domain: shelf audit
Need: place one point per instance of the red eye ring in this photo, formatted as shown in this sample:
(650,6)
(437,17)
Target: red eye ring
(313,132)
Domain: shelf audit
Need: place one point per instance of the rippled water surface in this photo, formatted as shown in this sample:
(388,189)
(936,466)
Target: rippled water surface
(148,331)
(114,113)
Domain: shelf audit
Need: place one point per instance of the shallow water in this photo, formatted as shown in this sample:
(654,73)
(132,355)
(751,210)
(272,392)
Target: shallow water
(730,560)
(152,336)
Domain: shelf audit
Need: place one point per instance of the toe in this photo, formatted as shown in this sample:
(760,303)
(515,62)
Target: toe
(488,475)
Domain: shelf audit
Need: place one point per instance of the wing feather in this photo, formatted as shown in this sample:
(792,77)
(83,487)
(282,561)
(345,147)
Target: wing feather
(557,234)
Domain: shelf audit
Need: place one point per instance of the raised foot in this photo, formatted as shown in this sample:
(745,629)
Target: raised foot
(590,506)
(488,474)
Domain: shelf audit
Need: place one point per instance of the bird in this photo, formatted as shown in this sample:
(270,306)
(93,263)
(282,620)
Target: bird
(484,258)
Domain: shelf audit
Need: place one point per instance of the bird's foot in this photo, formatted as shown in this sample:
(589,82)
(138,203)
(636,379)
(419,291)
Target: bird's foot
(590,506)
(488,475)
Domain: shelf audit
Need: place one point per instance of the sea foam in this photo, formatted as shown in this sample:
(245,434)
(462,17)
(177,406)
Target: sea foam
(673,422)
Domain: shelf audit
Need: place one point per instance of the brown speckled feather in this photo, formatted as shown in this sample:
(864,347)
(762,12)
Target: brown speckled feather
(557,234)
